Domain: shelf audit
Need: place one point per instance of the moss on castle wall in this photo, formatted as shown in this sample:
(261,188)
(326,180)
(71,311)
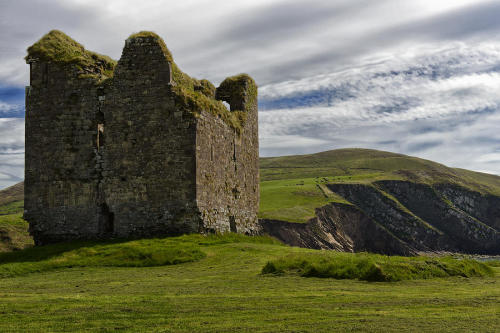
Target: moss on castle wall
(57,47)
(194,95)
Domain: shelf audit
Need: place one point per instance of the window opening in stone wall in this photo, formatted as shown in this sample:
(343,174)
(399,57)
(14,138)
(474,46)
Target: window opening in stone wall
(100,136)
(106,220)
(232,224)
(45,74)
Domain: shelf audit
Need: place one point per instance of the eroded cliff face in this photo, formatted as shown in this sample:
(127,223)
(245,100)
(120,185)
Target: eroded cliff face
(399,217)
(339,227)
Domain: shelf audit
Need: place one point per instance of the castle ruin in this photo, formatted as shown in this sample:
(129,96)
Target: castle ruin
(135,148)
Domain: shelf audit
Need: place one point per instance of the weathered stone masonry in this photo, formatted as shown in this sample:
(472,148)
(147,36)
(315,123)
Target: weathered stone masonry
(139,149)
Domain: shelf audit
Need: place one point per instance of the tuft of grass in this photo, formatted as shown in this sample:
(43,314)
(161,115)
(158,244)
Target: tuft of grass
(372,267)
(58,47)
(492,263)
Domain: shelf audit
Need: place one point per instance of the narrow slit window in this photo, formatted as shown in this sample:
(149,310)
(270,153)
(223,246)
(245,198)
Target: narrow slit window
(100,136)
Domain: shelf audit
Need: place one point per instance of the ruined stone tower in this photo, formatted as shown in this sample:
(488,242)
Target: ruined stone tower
(135,148)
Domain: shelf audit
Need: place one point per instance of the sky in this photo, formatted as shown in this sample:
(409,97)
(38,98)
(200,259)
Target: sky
(418,77)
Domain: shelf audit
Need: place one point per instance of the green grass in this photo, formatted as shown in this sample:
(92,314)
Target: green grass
(141,253)
(226,292)
(137,253)
(293,200)
(373,267)
(288,183)
(14,207)
(367,165)
(13,229)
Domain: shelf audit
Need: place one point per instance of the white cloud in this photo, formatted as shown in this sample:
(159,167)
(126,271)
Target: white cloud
(441,105)
(418,77)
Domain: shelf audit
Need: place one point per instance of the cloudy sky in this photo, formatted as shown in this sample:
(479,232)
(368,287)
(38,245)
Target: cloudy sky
(419,77)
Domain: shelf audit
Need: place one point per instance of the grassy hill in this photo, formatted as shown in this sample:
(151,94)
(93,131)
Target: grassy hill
(13,229)
(293,186)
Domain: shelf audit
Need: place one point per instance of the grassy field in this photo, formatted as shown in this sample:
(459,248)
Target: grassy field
(293,186)
(225,292)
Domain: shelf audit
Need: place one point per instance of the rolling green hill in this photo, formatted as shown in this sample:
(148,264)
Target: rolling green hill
(291,186)
(409,204)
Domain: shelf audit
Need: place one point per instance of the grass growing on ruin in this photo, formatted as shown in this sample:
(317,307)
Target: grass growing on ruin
(195,95)
(226,292)
(373,267)
(57,47)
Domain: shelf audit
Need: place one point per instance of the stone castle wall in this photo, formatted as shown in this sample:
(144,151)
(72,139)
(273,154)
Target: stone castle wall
(60,180)
(133,157)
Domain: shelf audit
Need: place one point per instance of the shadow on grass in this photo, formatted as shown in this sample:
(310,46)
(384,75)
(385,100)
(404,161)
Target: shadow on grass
(41,253)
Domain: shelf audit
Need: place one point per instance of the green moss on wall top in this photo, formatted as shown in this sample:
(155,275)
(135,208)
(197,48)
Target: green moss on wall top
(192,95)
(57,47)
(240,87)
(196,95)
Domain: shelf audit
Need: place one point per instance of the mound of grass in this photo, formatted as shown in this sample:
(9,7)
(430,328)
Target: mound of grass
(371,267)
(140,253)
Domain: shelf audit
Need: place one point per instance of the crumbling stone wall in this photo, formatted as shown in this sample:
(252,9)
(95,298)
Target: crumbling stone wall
(227,161)
(60,180)
(141,150)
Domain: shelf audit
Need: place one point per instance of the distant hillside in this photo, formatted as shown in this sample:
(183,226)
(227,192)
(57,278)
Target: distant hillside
(368,200)
(12,193)
(369,165)
(13,229)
